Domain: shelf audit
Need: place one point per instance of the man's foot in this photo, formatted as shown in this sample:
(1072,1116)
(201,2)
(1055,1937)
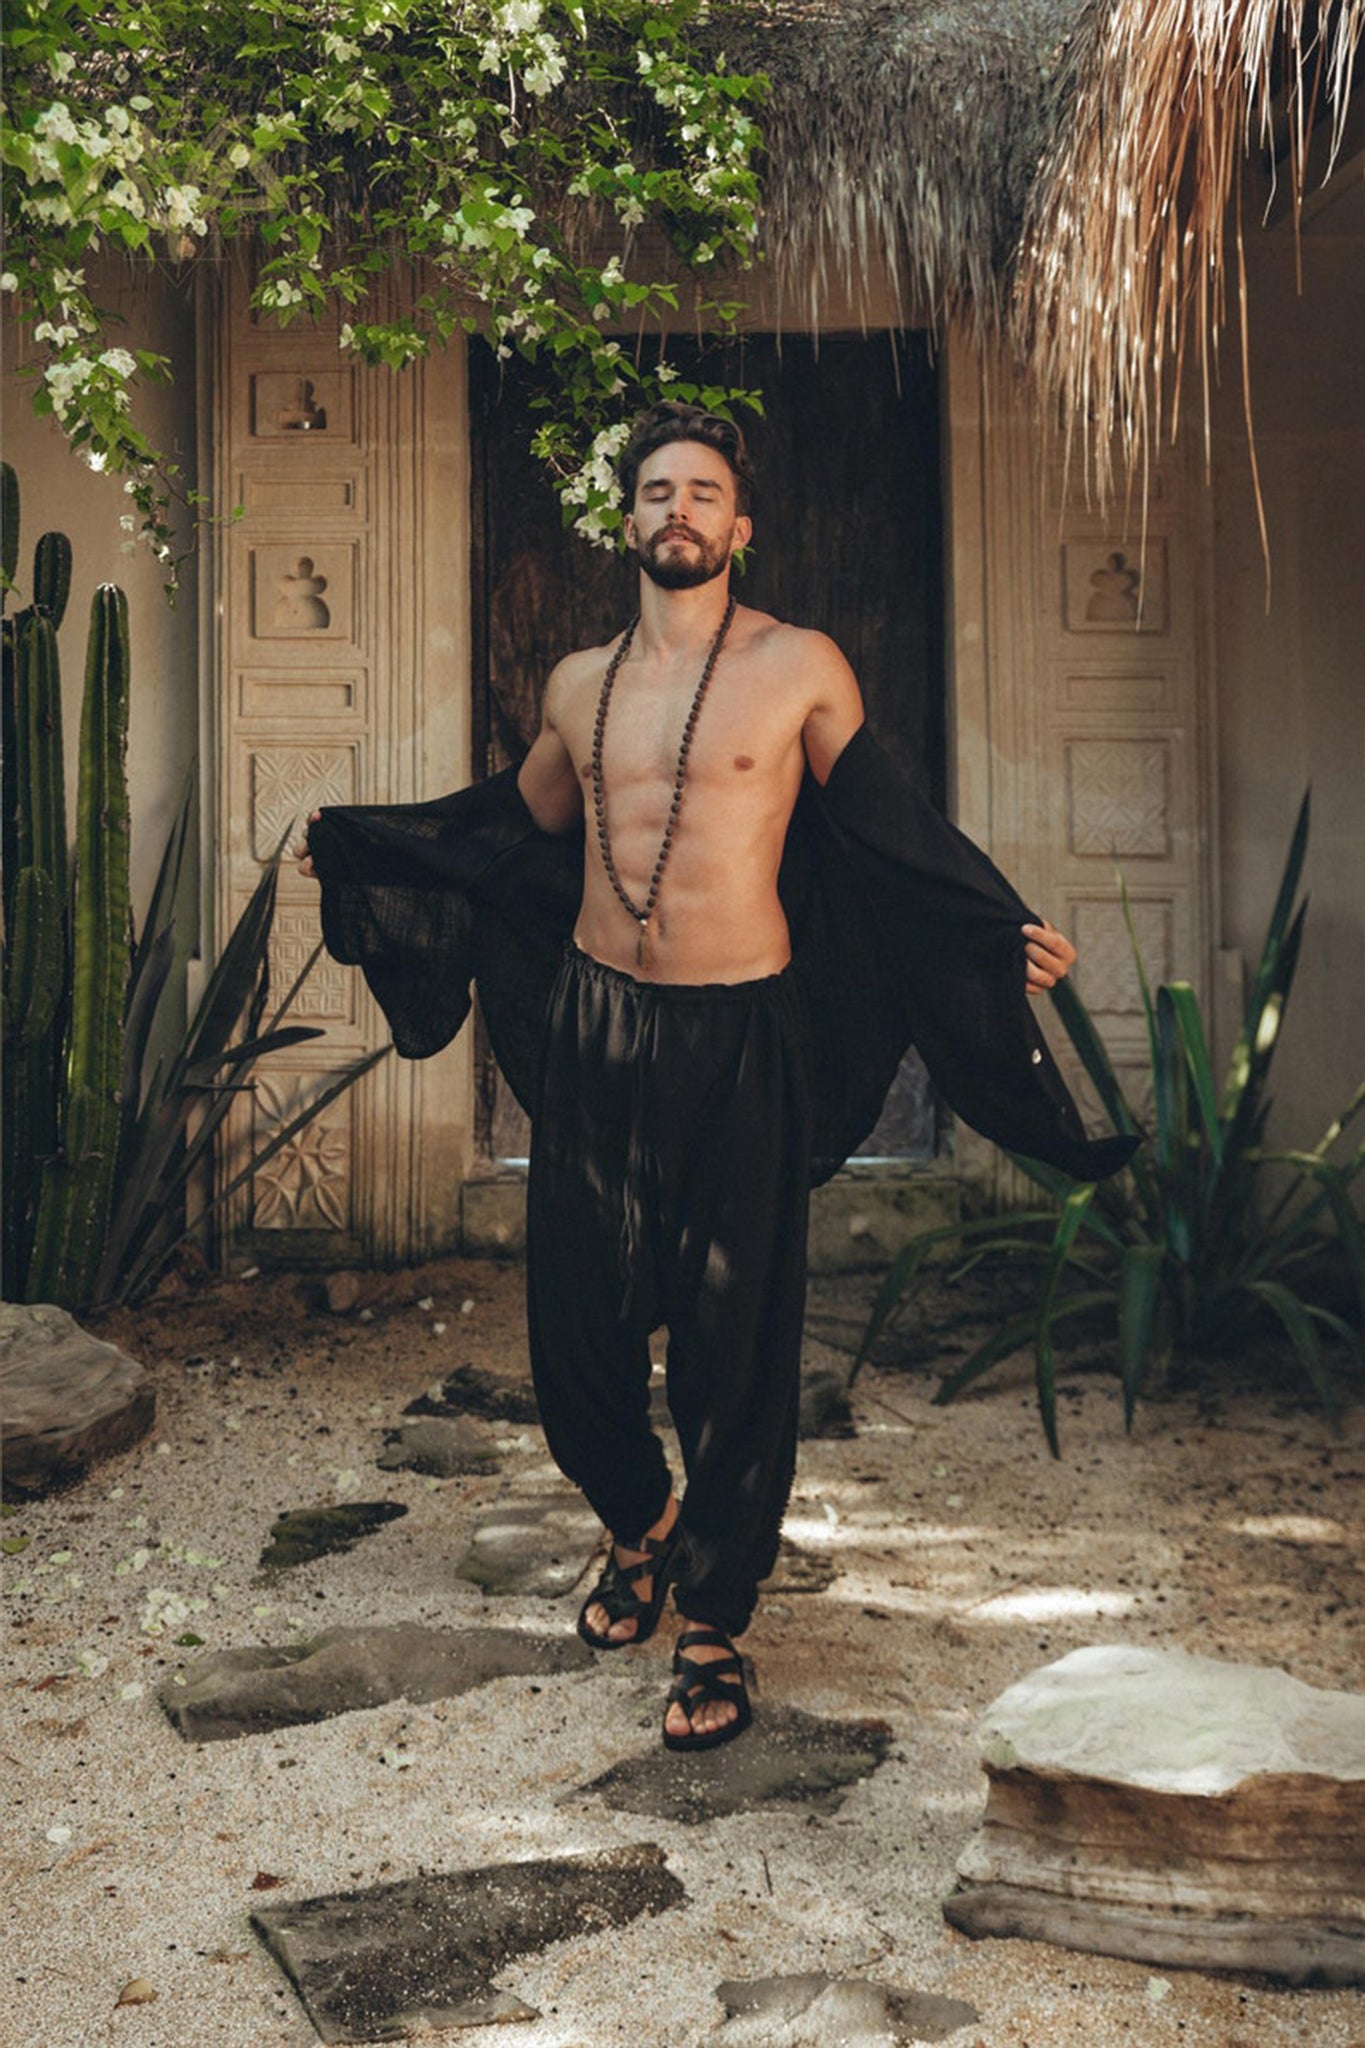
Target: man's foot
(708,1703)
(626,1605)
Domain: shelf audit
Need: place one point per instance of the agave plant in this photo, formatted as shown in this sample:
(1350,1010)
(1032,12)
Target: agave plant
(173,1116)
(1191,1249)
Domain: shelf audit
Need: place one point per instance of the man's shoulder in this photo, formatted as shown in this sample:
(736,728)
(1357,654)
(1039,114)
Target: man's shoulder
(796,647)
(575,673)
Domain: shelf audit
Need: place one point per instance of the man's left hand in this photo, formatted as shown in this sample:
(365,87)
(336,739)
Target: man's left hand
(1050,956)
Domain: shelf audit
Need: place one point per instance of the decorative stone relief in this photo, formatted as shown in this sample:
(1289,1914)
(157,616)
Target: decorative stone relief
(1110,589)
(286,403)
(1115,691)
(311,695)
(302,593)
(306,1185)
(288,782)
(1119,797)
(1105,972)
(328,995)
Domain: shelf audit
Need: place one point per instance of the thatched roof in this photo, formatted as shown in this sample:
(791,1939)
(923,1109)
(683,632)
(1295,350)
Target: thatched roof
(903,137)
(1067,174)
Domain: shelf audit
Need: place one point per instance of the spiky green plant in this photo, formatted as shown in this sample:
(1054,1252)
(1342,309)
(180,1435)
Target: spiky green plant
(174,1114)
(99,1154)
(1192,1249)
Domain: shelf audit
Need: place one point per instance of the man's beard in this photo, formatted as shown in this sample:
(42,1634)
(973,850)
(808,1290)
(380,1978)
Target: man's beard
(703,564)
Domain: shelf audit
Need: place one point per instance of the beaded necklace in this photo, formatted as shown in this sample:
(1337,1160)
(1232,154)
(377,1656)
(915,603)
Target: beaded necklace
(599,794)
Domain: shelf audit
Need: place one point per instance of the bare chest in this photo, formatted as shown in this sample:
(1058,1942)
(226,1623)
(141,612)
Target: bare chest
(742,733)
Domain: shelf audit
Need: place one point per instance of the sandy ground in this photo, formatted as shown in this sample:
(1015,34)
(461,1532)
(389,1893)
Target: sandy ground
(965,1557)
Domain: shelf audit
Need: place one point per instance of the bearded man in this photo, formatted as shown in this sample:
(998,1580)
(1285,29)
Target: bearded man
(750,917)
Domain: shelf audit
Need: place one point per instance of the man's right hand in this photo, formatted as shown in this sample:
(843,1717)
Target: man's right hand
(302,855)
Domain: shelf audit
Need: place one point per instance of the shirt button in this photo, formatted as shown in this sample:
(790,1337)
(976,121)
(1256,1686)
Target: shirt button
(1036,1056)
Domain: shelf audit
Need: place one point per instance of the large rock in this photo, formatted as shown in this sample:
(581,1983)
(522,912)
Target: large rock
(1173,1809)
(536,1543)
(66,1398)
(227,1693)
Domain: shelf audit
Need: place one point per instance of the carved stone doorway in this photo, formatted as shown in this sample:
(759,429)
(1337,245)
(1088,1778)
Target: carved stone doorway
(849,539)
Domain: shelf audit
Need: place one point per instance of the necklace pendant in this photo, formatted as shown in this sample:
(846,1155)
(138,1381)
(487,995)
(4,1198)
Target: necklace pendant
(642,944)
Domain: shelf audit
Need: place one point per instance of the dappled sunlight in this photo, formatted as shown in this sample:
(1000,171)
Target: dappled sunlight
(1051,1603)
(1289,1528)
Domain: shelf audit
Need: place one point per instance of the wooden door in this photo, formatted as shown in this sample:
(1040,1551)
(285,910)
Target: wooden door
(848,539)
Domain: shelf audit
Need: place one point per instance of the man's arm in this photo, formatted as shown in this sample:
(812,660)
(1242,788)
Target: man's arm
(837,709)
(547,779)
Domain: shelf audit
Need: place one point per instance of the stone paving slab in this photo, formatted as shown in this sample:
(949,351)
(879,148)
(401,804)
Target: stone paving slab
(535,1543)
(786,1757)
(303,1534)
(394,1959)
(66,1398)
(469,1390)
(443,1447)
(229,1693)
(834,2012)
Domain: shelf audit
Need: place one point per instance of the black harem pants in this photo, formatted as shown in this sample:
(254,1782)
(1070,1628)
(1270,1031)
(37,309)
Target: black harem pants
(669,1184)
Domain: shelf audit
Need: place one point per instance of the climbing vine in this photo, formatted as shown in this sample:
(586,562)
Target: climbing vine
(500,156)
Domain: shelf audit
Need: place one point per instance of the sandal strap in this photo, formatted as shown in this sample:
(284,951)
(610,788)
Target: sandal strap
(715,1678)
(616,1587)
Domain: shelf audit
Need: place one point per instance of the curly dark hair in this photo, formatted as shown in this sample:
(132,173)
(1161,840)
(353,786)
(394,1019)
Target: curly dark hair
(671,420)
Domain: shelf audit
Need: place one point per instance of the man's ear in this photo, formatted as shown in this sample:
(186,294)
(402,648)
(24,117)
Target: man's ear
(628,529)
(744,532)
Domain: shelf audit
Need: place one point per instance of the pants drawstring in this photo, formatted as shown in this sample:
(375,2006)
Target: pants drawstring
(634,1192)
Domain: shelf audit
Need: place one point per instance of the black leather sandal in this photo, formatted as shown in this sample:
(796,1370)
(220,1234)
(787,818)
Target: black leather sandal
(615,1591)
(720,1678)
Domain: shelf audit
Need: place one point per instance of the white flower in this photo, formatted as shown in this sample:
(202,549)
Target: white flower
(8,281)
(97,460)
(180,203)
(128,197)
(519,17)
(665,373)
(346,338)
(61,65)
(117,118)
(239,156)
(119,361)
(56,124)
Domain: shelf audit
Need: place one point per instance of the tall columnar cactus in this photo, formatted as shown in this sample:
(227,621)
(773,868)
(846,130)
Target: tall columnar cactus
(35,862)
(77,1184)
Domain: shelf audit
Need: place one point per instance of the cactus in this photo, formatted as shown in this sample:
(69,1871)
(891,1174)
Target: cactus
(77,1184)
(35,858)
(52,576)
(9,524)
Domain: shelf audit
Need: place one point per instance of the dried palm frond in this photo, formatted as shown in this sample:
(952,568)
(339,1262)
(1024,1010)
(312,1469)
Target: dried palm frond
(1123,271)
(901,137)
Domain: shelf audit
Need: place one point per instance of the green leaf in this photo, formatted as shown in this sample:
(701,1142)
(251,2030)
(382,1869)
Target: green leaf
(1045,1376)
(908,1260)
(1140,1276)
(1013,1336)
(1299,1324)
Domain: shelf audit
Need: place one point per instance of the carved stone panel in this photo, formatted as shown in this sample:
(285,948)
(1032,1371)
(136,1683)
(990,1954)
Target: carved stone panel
(341,676)
(289,782)
(303,591)
(1119,797)
(312,404)
(307,1184)
(1114,587)
(329,994)
(1106,973)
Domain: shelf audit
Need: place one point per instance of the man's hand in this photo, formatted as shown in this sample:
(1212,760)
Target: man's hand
(1050,956)
(301,853)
